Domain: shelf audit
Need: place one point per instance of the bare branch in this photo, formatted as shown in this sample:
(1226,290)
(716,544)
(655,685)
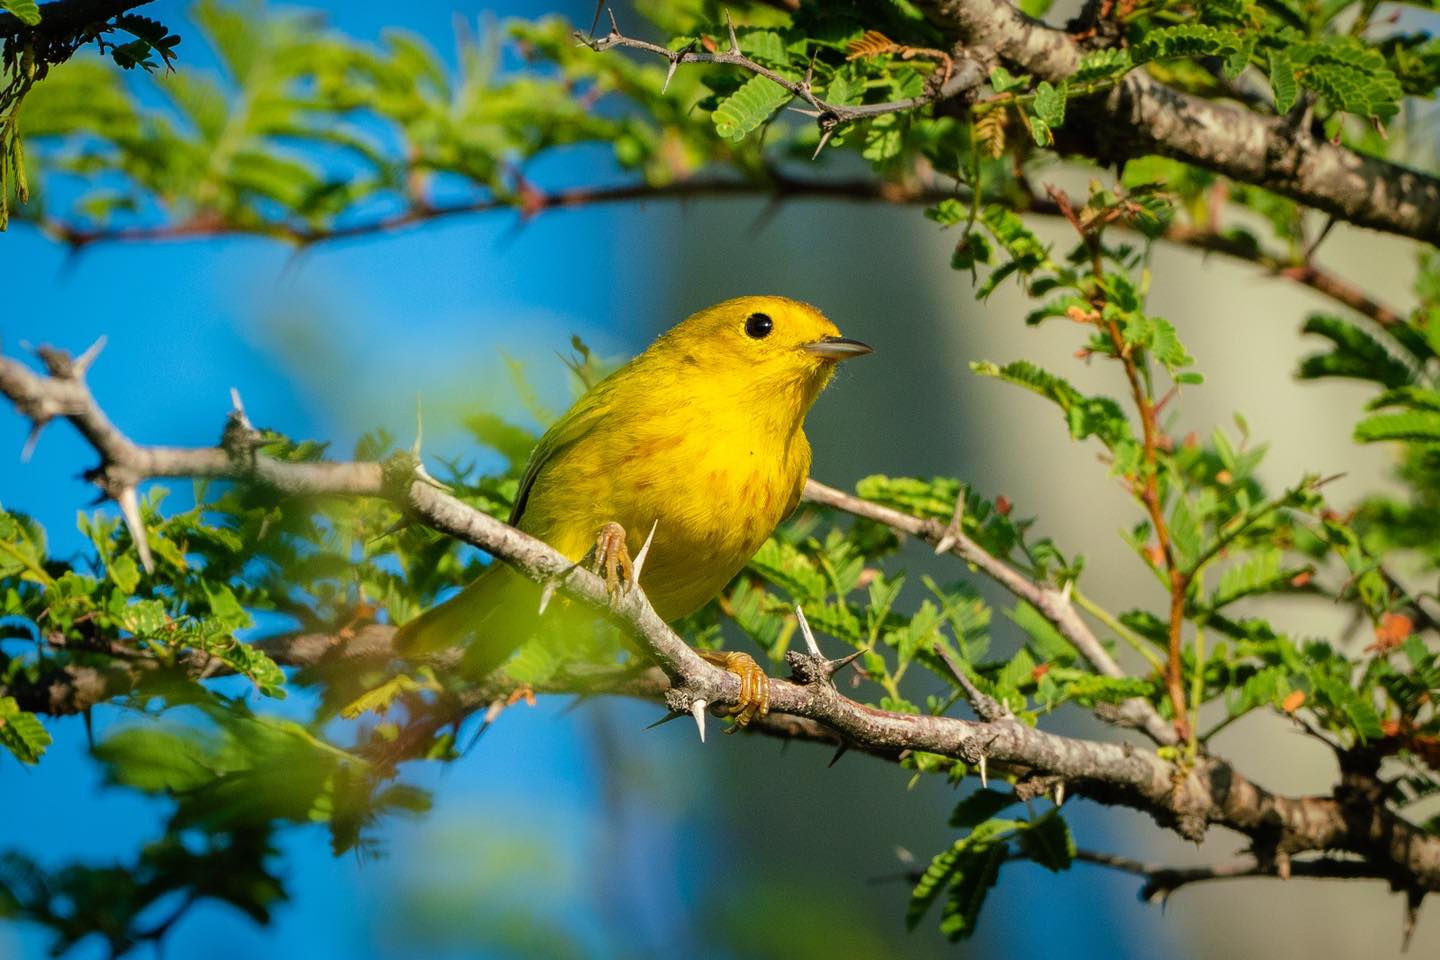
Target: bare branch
(1162,880)
(1186,799)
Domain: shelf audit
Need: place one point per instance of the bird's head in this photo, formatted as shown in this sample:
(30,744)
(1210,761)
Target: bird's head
(759,347)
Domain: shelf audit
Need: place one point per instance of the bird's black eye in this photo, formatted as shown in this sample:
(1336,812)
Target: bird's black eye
(758,325)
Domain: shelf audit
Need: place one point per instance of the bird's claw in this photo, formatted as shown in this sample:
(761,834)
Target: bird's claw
(754,700)
(612,561)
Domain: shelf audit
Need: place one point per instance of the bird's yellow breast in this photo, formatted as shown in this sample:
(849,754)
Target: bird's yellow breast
(713,485)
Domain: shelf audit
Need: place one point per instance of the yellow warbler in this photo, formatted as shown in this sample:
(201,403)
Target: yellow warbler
(699,438)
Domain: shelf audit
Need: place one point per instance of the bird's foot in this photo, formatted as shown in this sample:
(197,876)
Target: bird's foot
(754,684)
(611,560)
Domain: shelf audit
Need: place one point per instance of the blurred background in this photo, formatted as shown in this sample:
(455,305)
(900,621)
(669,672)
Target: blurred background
(571,832)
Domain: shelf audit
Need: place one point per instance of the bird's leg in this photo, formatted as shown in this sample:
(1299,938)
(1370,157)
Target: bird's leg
(611,559)
(754,684)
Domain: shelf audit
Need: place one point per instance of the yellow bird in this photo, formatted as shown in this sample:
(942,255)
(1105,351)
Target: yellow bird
(700,439)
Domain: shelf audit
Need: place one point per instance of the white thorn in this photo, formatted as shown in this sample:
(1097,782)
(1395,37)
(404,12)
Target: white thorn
(88,357)
(130,509)
(984,776)
(951,536)
(808,113)
(547,593)
(424,475)
(419,426)
(730,25)
(239,407)
(806,632)
(824,139)
(494,710)
(638,563)
(1060,794)
(1065,593)
(697,710)
(29,449)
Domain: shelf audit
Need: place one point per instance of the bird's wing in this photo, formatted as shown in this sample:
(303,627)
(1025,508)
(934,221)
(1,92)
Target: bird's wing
(577,422)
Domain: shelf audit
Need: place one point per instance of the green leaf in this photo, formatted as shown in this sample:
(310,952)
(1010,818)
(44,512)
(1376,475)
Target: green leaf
(1282,80)
(980,806)
(1092,689)
(967,855)
(1047,641)
(1416,426)
(1048,842)
(156,760)
(124,572)
(26,11)
(379,699)
(1357,354)
(21,732)
(1186,532)
(1102,64)
(947,212)
(1050,103)
(1016,674)
(767,46)
(748,107)
(224,607)
(1040,132)
(1356,707)
(1187,40)
(1003,81)
(786,567)
(1087,416)
(884,139)
(974,878)
(1259,573)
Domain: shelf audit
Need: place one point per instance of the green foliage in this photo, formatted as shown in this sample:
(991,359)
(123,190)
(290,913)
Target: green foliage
(27,11)
(964,872)
(748,107)
(304,133)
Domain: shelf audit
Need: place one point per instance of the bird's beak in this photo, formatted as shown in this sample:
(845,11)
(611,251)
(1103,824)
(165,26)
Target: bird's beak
(838,348)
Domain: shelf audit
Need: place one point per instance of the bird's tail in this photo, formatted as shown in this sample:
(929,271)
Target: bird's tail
(489,619)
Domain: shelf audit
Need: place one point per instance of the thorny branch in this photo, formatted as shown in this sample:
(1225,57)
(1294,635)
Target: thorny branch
(1054,604)
(1186,798)
(829,117)
(1138,116)
(1141,115)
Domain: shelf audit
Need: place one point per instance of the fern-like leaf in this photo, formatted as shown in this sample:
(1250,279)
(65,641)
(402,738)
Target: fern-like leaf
(748,107)
(872,43)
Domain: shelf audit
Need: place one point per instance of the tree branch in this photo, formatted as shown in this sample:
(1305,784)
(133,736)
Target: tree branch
(1053,604)
(1142,115)
(1185,798)
(1162,880)
(1138,116)
(777,188)
(943,86)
